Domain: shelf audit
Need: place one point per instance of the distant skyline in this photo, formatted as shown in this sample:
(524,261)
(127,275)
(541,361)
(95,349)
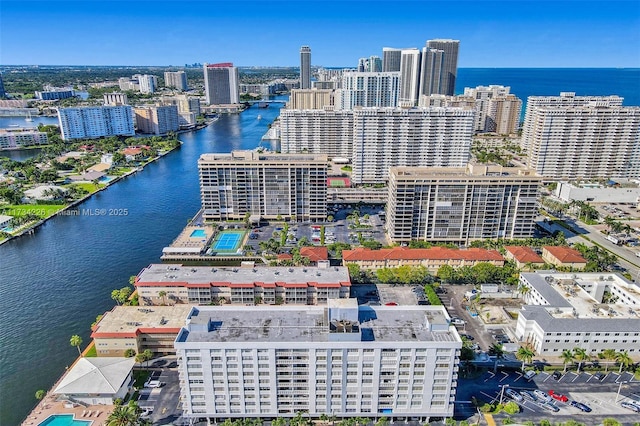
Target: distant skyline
(520,34)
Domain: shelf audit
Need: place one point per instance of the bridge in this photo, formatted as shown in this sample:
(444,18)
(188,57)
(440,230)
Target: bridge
(279,101)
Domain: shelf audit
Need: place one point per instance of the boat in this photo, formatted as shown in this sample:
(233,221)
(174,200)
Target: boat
(29,118)
(259,117)
(263,105)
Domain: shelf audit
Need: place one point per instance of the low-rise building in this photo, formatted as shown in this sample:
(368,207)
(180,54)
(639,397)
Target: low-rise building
(563,256)
(344,359)
(431,258)
(11,139)
(315,254)
(54,94)
(592,311)
(523,256)
(5,220)
(618,191)
(277,285)
(137,328)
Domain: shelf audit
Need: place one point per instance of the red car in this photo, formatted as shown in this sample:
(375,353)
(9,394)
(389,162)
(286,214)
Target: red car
(391,304)
(560,397)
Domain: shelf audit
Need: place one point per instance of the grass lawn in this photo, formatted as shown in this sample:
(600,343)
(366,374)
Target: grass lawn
(92,352)
(87,186)
(139,377)
(41,210)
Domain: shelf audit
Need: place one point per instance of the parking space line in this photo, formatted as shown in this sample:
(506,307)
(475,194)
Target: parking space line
(574,379)
(506,375)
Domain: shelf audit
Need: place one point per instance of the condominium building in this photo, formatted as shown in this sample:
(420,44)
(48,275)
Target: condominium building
(460,204)
(425,137)
(375,64)
(129,83)
(342,360)
(431,71)
(266,185)
(459,101)
(54,94)
(409,77)
(157,120)
(95,122)
(176,80)
(324,132)
(247,285)
(2,91)
(305,67)
(593,311)
(391,59)
(148,83)
(221,84)
(497,110)
(12,139)
(310,99)
(450,63)
(115,99)
(582,137)
(368,89)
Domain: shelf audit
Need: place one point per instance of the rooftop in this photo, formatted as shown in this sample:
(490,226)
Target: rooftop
(311,324)
(565,254)
(157,274)
(129,321)
(404,253)
(473,170)
(524,254)
(314,253)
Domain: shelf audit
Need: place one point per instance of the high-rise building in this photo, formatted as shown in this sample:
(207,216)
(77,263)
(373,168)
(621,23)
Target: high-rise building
(450,67)
(176,79)
(157,120)
(115,99)
(3,94)
(129,83)
(431,72)
(391,59)
(342,360)
(310,99)
(409,77)
(368,89)
(582,137)
(148,83)
(424,137)
(459,205)
(221,84)
(305,67)
(266,185)
(324,132)
(95,122)
(497,110)
(363,64)
(375,64)
(53,94)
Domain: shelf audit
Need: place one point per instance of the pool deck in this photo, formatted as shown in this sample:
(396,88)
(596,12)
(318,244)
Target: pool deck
(49,406)
(186,240)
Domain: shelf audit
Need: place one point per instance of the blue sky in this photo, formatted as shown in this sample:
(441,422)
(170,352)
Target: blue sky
(491,33)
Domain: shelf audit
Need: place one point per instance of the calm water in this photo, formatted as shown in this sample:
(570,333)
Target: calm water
(54,282)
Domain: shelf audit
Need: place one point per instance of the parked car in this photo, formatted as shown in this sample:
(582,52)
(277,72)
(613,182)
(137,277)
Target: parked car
(457,321)
(558,396)
(542,396)
(391,304)
(467,336)
(581,406)
(528,395)
(529,374)
(549,406)
(556,375)
(631,406)
(599,375)
(153,384)
(514,395)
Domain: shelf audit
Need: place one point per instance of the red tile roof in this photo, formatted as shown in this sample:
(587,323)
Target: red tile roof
(285,256)
(314,253)
(131,151)
(524,254)
(404,253)
(565,254)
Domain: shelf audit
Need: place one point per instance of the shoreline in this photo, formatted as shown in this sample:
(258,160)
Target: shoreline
(31,228)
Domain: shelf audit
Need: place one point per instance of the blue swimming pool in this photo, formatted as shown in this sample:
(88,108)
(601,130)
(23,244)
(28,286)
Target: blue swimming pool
(198,233)
(64,420)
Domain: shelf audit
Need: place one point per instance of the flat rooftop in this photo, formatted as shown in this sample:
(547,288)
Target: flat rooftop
(311,324)
(162,273)
(130,319)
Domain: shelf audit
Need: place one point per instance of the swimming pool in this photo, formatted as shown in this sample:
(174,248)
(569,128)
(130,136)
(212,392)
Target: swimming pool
(64,420)
(198,233)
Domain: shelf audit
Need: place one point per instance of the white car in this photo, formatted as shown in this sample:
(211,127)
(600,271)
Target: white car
(153,384)
(542,396)
(529,374)
(514,395)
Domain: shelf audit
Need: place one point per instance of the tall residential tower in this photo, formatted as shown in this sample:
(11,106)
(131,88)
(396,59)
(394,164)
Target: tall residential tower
(450,64)
(305,67)
(221,84)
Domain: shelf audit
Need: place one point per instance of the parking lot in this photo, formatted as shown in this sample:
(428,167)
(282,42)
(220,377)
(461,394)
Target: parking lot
(385,294)
(161,405)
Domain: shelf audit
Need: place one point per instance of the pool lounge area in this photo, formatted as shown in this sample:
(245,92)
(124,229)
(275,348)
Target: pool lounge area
(198,233)
(64,420)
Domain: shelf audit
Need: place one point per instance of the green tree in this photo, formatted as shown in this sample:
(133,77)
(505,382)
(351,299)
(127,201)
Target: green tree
(511,408)
(608,355)
(609,421)
(40,393)
(125,415)
(148,355)
(140,358)
(446,273)
(624,360)
(76,341)
(129,353)
(498,351)
(484,272)
(580,355)
(525,354)
(567,357)
(163,294)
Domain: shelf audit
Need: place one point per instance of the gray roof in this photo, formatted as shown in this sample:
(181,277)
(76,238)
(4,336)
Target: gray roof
(552,297)
(551,324)
(310,324)
(104,375)
(206,274)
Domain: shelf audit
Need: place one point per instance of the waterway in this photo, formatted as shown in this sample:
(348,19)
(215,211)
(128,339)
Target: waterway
(53,283)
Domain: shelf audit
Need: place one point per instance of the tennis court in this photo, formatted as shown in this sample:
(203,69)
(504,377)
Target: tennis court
(228,241)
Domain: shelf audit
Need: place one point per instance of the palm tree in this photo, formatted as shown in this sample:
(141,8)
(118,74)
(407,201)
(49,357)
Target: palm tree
(124,415)
(526,354)
(148,355)
(580,355)
(496,350)
(609,355)
(279,421)
(567,357)
(624,360)
(163,294)
(140,358)
(40,393)
(76,341)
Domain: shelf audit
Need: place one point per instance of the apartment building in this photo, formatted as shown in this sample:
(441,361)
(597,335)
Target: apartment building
(12,139)
(221,84)
(459,205)
(267,185)
(342,360)
(157,120)
(431,258)
(95,122)
(582,137)
(421,137)
(115,99)
(368,89)
(176,80)
(497,110)
(54,94)
(592,311)
(324,132)
(305,67)
(311,99)
(449,72)
(205,285)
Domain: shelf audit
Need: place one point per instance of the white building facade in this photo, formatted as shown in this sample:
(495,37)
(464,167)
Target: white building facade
(369,89)
(343,360)
(323,132)
(95,122)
